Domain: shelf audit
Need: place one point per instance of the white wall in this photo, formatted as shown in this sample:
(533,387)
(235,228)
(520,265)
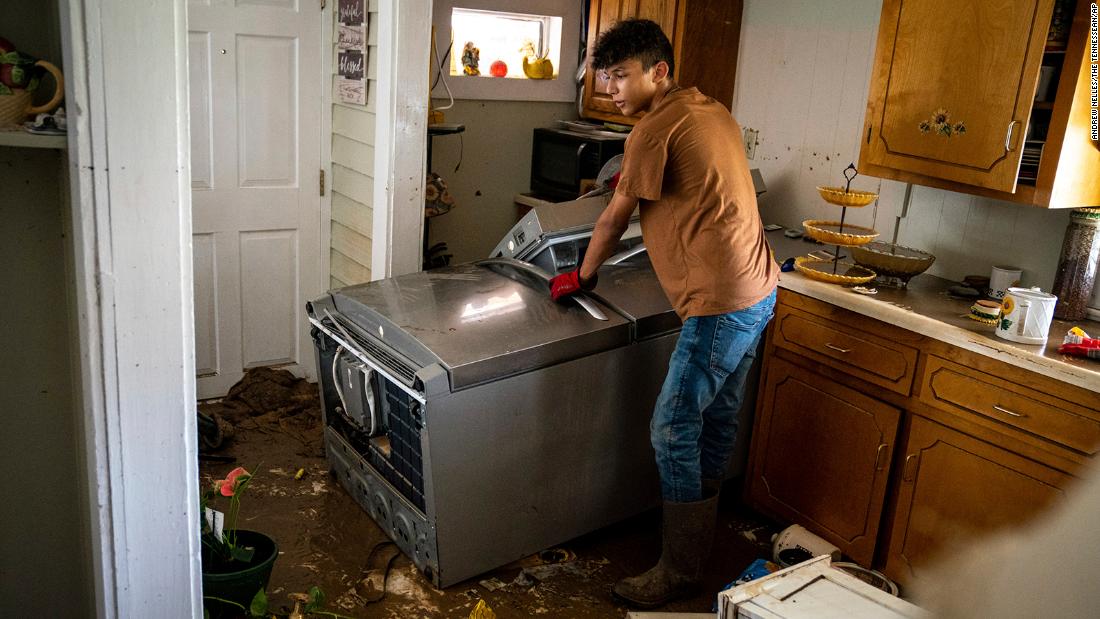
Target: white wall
(803,73)
(44,550)
(495,153)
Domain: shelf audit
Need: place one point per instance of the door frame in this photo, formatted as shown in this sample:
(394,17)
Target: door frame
(130,193)
(129,173)
(404,33)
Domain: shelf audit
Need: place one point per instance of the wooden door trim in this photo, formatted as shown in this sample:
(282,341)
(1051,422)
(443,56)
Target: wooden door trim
(404,33)
(137,403)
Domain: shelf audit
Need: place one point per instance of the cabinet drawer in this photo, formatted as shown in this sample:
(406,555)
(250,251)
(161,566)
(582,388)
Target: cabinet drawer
(956,388)
(864,355)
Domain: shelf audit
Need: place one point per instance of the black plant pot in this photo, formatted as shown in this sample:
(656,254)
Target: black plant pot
(239,582)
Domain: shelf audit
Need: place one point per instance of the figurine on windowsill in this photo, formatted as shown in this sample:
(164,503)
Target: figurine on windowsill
(534,66)
(470,57)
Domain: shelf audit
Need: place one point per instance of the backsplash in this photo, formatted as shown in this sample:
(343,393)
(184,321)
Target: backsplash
(802,79)
(970,234)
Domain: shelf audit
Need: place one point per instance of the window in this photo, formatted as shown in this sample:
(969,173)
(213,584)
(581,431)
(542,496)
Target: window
(507,31)
(492,37)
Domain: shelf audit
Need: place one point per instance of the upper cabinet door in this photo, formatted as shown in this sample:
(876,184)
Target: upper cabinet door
(953,86)
(602,15)
(704,36)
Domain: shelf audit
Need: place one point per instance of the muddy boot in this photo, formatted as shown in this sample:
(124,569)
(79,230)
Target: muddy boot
(687,535)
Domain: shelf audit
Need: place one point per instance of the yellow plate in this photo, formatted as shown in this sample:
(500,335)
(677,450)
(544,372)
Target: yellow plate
(822,270)
(837,195)
(829,232)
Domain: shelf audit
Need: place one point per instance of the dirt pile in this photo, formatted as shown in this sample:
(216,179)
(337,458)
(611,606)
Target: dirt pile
(268,400)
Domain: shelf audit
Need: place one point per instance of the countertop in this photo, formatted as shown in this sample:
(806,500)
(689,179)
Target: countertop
(926,308)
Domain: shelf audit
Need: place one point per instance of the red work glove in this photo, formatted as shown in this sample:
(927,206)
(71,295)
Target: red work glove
(570,283)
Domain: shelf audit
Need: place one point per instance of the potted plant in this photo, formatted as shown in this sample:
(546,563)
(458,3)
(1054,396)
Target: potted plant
(236,563)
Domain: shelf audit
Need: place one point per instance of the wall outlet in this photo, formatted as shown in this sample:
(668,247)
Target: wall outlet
(750,142)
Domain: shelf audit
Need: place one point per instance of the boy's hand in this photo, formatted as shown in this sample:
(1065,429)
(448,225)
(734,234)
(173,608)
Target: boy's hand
(568,284)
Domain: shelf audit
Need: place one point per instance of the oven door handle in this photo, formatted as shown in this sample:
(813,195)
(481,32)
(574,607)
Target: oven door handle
(544,277)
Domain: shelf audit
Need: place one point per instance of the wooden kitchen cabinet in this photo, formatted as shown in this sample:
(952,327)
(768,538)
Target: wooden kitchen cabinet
(952,100)
(980,444)
(821,454)
(953,488)
(704,36)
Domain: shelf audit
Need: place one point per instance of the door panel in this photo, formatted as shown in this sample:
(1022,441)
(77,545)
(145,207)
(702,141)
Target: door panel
(950,104)
(268,287)
(202,160)
(821,456)
(955,488)
(256,89)
(206,304)
(267,111)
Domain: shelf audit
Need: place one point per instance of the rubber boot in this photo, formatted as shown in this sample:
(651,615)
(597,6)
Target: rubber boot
(686,538)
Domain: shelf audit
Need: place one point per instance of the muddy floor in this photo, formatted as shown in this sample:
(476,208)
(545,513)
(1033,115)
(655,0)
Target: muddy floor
(271,425)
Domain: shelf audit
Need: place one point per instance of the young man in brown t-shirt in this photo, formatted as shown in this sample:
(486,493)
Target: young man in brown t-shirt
(685,171)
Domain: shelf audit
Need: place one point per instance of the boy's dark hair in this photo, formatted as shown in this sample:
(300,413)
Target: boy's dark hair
(639,39)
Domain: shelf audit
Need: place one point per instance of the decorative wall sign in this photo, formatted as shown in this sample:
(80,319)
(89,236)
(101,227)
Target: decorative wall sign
(351,67)
(352,13)
(352,91)
(351,37)
(351,41)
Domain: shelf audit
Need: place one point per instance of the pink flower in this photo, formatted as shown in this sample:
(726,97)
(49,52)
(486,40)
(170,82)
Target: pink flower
(228,486)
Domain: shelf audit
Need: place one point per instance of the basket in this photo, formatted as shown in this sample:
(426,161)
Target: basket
(829,232)
(822,270)
(13,107)
(837,195)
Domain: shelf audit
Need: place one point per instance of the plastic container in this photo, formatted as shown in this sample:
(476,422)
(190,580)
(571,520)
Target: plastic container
(1076,275)
(240,585)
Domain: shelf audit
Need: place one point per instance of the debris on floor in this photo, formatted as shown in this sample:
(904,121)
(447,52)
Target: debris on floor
(326,541)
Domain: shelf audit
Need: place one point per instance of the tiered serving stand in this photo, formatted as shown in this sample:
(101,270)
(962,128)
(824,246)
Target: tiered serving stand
(839,234)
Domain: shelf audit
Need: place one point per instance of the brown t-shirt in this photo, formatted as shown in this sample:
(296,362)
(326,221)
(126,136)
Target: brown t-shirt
(685,163)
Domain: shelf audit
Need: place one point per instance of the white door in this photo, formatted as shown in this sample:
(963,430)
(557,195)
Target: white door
(256,90)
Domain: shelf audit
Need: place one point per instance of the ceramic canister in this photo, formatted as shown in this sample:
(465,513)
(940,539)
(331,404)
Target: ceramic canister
(1026,315)
(795,544)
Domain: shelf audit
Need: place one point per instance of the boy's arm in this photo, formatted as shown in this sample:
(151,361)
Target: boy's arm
(605,236)
(610,227)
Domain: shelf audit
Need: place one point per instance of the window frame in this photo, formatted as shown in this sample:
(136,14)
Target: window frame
(484,87)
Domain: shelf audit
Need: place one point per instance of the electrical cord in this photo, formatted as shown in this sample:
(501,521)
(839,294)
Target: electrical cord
(439,74)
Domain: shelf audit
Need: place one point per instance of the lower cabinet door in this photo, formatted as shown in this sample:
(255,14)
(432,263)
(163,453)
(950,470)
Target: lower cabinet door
(821,454)
(953,489)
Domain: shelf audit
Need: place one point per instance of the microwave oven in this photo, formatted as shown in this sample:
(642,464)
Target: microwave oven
(561,160)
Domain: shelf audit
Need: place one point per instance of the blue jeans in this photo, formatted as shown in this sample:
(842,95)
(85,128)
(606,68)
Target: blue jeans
(695,420)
